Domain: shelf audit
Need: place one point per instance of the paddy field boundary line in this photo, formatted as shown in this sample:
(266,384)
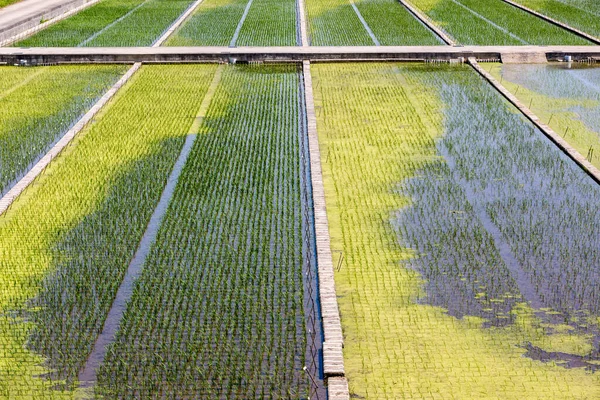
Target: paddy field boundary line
(333,357)
(553,21)
(302,23)
(297,54)
(425,20)
(570,151)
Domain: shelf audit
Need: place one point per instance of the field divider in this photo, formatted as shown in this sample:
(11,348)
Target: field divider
(87,376)
(365,24)
(449,40)
(333,357)
(570,151)
(240,24)
(42,26)
(553,21)
(7,200)
(177,23)
(302,23)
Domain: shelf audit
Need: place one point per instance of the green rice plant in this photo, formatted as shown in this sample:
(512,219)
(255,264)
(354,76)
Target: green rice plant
(218,311)
(493,22)
(112,23)
(582,15)
(213,24)
(66,243)
(428,175)
(38,105)
(566,98)
(269,23)
(4,3)
(394,25)
(335,23)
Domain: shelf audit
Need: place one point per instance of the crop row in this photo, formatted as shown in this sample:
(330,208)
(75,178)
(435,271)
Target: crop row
(493,22)
(470,241)
(583,15)
(112,23)
(38,105)
(218,311)
(335,23)
(65,246)
(268,23)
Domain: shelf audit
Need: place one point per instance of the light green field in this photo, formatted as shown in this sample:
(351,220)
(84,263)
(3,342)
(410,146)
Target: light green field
(84,217)
(377,125)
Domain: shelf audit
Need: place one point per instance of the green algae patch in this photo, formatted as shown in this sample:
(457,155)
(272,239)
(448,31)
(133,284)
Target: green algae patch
(378,125)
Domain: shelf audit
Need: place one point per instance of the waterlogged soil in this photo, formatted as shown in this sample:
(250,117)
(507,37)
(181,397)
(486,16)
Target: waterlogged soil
(565,95)
(466,236)
(502,218)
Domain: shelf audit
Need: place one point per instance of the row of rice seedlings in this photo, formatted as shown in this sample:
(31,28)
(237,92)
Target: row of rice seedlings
(578,14)
(566,97)
(38,105)
(213,24)
(66,244)
(451,316)
(497,23)
(117,23)
(541,208)
(394,25)
(269,23)
(456,256)
(335,23)
(218,311)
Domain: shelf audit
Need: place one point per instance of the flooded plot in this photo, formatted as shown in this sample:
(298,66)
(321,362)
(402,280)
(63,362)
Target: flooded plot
(65,244)
(470,242)
(239,23)
(385,22)
(39,105)
(111,23)
(493,22)
(220,308)
(580,14)
(566,96)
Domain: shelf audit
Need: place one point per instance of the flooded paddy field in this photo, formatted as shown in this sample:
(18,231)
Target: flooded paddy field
(564,95)
(470,242)
(225,300)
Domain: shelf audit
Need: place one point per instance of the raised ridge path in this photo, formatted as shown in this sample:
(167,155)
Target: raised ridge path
(40,56)
(27,14)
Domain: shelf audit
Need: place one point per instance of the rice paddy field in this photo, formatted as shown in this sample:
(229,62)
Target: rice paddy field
(581,14)
(180,245)
(493,22)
